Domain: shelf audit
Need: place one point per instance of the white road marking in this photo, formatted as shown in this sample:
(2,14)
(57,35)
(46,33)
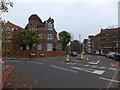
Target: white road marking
(74,63)
(93,66)
(67,63)
(94,62)
(63,69)
(102,67)
(35,62)
(112,69)
(111,80)
(93,71)
(63,62)
(98,72)
(86,65)
(110,84)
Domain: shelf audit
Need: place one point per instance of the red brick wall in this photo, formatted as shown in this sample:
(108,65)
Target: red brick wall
(25,54)
(51,53)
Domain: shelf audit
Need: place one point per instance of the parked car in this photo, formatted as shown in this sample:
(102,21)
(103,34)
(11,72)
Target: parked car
(110,55)
(116,56)
(74,54)
(83,53)
(97,53)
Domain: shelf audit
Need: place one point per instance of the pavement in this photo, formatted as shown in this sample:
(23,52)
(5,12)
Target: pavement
(117,74)
(115,64)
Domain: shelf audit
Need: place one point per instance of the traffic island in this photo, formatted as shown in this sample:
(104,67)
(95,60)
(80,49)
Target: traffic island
(81,57)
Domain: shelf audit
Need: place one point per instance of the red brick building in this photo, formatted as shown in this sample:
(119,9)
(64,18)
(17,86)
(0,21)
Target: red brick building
(107,40)
(96,43)
(47,35)
(46,31)
(8,46)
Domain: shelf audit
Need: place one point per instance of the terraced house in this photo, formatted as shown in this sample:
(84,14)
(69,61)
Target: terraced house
(46,31)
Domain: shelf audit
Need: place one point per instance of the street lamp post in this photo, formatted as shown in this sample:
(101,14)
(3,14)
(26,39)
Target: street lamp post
(80,41)
(81,55)
(0,35)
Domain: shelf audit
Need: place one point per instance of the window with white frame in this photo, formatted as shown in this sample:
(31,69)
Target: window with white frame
(49,47)
(49,36)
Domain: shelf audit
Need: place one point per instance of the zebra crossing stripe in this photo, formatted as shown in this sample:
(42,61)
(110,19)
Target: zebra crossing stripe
(94,66)
(91,66)
(86,65)
(112,69)
(102,67)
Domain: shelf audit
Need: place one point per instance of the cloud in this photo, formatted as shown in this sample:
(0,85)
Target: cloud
(83,18)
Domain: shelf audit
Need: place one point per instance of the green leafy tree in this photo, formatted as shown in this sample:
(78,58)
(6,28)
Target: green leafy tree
(31,37)
(64,38)
(19,40)
(4,4)
(75,45)
(27,38)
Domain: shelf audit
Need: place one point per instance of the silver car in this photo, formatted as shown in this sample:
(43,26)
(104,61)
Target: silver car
(110,55)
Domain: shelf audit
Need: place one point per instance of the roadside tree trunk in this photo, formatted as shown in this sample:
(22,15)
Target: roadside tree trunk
(30,48)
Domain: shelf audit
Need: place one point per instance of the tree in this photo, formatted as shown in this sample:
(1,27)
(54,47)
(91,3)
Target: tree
(19,40)
(4,5)
(75,45)
(65,38)
(31,37)
(27,38)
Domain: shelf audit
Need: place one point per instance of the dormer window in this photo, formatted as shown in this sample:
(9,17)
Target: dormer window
(50,26)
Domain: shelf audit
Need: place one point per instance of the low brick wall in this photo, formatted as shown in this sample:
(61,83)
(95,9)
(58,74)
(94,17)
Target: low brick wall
(26,54)
(51,53)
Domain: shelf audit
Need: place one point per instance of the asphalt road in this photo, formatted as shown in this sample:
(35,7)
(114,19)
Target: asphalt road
(94,72)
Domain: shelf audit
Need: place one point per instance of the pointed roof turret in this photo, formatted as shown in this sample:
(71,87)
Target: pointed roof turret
(50,20)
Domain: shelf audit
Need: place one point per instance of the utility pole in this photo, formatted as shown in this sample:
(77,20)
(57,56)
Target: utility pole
(81,55)
(0,35)
(80,42)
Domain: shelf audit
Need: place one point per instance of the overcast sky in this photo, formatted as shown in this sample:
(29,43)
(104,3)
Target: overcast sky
(85,17)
